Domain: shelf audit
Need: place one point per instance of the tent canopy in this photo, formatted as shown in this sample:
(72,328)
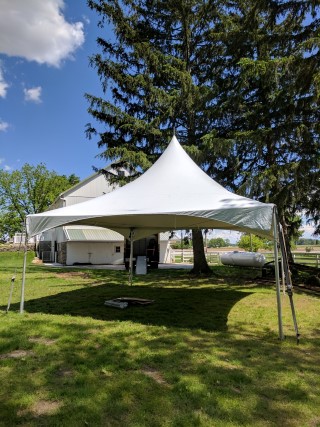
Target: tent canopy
(173,194)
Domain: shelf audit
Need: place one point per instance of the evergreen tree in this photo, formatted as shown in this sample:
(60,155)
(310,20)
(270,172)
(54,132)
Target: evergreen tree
(239,81)
(268,133)
(158,74)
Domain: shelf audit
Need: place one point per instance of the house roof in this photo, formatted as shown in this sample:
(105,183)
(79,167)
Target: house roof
(83,233)
(91,234)
(81,184)
(78,185)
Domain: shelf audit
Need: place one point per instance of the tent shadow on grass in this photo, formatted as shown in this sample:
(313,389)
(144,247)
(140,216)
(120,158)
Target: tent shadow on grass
(202,308)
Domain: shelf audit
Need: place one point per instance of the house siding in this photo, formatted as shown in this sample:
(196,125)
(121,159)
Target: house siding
(88,247)
(94,253)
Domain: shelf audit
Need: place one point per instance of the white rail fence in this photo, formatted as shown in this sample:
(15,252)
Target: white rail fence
(186,256)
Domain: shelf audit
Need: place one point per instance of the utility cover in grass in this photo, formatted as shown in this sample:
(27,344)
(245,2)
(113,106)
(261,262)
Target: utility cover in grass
(124,302)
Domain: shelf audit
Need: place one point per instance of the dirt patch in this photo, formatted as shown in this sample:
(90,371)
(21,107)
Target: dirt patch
(42,407)
(37,261)
(40,340)
(155,375)
(17,354)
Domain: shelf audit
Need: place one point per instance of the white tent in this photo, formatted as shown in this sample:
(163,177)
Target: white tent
(173,194)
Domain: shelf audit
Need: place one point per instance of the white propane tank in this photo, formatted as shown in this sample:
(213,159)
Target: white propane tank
(244,259)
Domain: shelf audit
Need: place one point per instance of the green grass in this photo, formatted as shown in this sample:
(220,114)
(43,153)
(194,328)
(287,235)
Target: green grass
(205,353)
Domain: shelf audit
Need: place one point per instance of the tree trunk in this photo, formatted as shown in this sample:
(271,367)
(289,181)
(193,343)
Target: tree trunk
(200,265)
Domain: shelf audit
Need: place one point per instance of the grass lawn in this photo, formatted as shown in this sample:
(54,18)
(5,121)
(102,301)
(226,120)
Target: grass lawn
(206,353)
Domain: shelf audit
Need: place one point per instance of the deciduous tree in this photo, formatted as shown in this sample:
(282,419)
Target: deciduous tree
(30,190)
(253,243)
(218,242)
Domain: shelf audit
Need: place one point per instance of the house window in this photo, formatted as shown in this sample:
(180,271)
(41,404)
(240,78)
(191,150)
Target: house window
(118,249)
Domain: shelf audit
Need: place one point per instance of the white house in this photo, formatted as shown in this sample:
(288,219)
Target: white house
(78,244)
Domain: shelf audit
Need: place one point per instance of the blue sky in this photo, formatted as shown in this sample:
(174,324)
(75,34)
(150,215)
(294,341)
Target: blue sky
(44,74)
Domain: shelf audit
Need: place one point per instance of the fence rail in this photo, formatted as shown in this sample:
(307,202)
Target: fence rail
(312,260)
(213,258)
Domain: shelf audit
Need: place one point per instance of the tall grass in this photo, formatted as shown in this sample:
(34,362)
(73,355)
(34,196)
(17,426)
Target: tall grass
(205,353)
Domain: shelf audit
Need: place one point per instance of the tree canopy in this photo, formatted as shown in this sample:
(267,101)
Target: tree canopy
(28,191)
(218,242)
(253,243)
(158,74)
(268,143)
(237,80)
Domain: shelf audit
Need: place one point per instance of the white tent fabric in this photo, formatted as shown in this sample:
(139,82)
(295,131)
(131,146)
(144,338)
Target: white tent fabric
(173,194)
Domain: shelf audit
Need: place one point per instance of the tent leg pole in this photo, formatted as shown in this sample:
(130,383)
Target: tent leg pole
(10,296)
(276,265)
(24,274)
(131,258)
(289,286)
(282,275)
(295,324)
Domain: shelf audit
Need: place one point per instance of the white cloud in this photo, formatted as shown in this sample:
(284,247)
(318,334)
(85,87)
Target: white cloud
(3,126)
(37,31)
(33,94)
(3,84)
(86,19)
(308,231)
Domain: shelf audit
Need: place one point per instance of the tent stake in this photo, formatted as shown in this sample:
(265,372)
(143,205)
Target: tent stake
(276,265)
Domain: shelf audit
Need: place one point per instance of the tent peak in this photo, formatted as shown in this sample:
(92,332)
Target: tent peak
(174,140)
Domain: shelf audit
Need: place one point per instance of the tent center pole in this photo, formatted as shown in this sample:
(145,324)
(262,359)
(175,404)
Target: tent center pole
(131,256)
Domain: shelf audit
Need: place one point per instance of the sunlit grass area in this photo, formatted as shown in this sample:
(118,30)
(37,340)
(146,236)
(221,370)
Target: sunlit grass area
(205,353)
